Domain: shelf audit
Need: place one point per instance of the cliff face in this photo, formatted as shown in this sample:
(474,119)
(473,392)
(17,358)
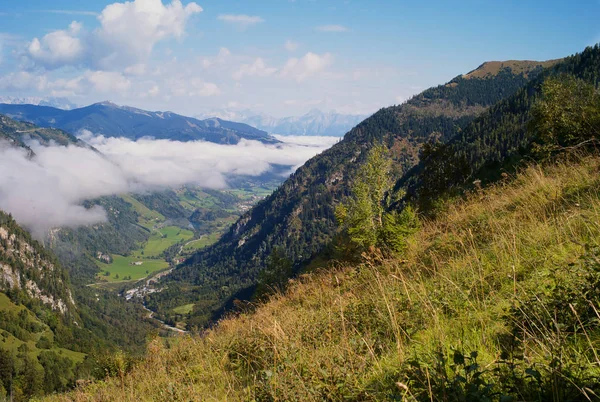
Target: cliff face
(26,267)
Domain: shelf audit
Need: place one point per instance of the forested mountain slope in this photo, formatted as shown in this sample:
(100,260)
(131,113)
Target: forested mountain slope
(27,268)
(40,334)
(299,216)
(48,325)
(111,120)
(496,139)
(17,133)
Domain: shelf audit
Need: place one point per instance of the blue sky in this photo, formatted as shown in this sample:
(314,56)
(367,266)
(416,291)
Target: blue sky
(280,57)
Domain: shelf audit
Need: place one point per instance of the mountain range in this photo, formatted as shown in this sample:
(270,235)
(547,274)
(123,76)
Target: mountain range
(315,122)
(111,120)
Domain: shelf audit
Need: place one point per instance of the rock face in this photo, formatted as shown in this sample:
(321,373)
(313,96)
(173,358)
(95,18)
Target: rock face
(27,267)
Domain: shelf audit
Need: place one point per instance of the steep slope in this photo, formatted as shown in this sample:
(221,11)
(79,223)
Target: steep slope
(48,324)
(299,216)
(111,120)
(495,300)
(497,138)
(39,321)
(29,269)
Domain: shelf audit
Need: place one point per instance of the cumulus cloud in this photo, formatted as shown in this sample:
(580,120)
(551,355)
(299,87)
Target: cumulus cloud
(331,28)
(257,69)
(130,30)
(59,47)
(240,20)
(47,191)
(192,87)
(127,34)
(310,64)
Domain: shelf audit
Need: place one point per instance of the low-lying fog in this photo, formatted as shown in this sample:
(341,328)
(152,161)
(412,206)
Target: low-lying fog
(46,191)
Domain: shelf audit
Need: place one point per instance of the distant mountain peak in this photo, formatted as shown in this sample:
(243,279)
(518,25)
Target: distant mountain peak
(107,104)
(314,122)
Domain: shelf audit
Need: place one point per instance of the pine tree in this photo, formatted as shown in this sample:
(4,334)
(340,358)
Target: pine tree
(365,217)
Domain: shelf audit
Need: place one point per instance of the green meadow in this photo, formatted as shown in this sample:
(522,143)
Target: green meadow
(123,267)
(162,239)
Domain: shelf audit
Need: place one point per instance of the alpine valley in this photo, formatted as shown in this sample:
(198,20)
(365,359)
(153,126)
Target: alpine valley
(446,248)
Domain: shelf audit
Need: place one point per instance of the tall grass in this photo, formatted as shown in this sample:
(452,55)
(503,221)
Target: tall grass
(491,299)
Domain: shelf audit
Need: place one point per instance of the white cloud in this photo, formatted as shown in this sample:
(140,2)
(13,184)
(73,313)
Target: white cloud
(47,191)
(108,81)
(221,58)
(331,28)
(240,20)
(22,81)
(130,30)
(310,64)
(257,69)
(308,140)
(291,46)
(127,34)
(59,47)
(136,69)
(192,87)
(154,91)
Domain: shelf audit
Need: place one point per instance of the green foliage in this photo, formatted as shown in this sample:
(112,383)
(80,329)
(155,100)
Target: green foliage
(274,278)
(58,372)
(460,378)
(503,136)
(365,218)
(113,365)
(398,226)
(568,114)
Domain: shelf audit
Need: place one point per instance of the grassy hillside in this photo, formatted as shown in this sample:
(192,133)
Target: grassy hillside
(525,67)
(299,216)
(496,298)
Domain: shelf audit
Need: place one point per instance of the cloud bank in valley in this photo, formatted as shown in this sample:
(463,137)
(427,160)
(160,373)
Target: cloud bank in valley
(47,191)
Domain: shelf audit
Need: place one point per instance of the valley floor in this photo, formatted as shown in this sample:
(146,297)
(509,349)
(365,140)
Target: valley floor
(496,298)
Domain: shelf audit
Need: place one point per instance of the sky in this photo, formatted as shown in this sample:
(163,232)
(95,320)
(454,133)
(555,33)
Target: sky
(279,57)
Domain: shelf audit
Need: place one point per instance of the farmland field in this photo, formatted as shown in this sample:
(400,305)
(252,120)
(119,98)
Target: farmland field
(122,267)
(185,309)
(162,239)
(202,242)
